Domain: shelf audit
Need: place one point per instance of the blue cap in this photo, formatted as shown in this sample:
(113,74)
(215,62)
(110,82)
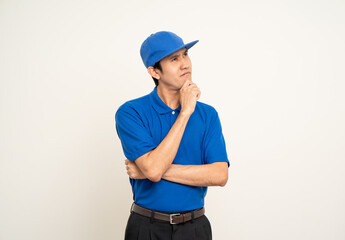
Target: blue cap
(160,45)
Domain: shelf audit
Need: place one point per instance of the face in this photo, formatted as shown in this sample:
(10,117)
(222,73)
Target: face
(176,69)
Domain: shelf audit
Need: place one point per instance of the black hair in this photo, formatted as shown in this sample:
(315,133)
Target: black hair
(159,67)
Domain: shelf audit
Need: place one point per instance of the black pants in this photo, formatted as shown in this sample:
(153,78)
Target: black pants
(144,228)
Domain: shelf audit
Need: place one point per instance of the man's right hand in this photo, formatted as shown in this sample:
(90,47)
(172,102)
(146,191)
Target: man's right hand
(189,94)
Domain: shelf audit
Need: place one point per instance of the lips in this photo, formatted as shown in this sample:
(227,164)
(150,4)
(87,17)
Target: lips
(185,74)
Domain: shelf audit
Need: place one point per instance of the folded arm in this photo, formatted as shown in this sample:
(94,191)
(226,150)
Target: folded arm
(214,174)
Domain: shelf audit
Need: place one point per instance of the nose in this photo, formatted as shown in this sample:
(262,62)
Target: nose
(185,63)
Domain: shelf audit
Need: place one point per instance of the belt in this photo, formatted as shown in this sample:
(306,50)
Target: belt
(173,218)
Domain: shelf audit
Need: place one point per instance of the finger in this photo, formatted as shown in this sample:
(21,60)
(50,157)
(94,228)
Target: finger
(190,84)
(193,87)
(187,83)
(198,95)
(196,91)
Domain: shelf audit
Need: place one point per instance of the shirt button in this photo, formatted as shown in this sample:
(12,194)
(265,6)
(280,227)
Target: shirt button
(173,112)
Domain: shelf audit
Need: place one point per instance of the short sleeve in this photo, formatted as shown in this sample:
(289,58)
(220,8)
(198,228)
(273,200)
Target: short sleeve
(214,143)
(135,137)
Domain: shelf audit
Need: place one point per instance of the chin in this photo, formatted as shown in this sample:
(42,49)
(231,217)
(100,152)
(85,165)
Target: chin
(183,82)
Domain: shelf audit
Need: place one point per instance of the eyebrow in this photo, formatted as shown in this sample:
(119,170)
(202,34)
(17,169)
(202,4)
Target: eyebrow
(173,56)
(176,55)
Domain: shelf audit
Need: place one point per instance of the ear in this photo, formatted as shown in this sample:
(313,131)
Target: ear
(153,72)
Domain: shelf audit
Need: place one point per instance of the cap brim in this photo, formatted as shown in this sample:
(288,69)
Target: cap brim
(191,44)
(187,46)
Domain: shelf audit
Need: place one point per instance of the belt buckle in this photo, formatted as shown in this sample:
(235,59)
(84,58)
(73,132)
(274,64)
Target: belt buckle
(171,217)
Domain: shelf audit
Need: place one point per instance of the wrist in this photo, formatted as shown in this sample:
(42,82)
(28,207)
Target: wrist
(185,113)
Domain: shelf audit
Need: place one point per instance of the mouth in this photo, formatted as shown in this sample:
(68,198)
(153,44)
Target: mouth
(186,73)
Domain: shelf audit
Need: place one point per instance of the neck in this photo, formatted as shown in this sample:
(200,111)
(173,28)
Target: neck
(170,97)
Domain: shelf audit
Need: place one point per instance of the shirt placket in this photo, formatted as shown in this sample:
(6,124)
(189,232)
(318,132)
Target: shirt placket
(173,116)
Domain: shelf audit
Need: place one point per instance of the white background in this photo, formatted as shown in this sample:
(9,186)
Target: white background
(274,70)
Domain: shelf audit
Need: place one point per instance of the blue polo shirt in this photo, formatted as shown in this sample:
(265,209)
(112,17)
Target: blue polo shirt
(143,123)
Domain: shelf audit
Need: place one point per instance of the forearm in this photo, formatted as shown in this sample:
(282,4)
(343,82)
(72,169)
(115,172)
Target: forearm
(157,161)
(215,174)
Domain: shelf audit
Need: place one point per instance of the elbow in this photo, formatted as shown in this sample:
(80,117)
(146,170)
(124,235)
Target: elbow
(219,176)
(154,176)
(223,180)
(148,168)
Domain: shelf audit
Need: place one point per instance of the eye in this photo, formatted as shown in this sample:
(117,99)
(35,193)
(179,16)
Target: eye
(186,53)
(173,59)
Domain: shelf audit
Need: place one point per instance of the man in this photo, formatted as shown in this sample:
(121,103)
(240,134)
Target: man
(174,147)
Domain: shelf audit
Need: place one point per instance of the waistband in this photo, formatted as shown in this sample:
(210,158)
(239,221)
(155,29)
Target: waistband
(172,218)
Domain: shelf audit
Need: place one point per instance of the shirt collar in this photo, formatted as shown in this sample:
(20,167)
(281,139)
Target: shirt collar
(159,105)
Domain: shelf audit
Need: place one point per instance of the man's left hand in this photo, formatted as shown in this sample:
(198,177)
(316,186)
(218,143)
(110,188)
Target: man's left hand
(133,171)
